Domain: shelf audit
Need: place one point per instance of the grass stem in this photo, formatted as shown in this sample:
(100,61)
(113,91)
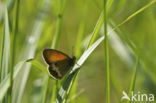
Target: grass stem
(106,55)
(54,46)
(132,85)
(13,50)
(46,90)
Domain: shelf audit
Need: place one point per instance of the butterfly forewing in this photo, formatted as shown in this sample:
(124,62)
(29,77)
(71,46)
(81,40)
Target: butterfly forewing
(51,55)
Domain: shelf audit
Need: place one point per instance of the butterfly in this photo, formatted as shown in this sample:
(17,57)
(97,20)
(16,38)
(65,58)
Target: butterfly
(59,63)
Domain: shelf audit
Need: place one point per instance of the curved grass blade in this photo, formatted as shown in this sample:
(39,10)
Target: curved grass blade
(5,59)
(38,65)
(132,85)
(9,4)
(62,5)
(13,53)
(29,51)
(69,81)
(5,48)
(4,85)
(99,24)
(67,84)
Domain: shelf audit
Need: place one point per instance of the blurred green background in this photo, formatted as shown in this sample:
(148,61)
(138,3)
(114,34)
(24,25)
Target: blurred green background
(39,24)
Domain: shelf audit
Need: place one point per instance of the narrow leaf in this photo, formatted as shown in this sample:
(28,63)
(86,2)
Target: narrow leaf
(38,65)
(69,81)
(6,81)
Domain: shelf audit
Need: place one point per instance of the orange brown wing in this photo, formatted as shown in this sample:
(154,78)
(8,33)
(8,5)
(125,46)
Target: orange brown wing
(51,56)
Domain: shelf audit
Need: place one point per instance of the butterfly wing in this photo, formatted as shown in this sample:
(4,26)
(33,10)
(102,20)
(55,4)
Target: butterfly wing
(59,63)
(51,56)
(60,68)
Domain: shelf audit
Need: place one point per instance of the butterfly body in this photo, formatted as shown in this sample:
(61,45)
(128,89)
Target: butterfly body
(59,63)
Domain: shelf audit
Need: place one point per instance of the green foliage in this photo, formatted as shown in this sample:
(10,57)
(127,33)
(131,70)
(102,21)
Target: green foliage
(78,24)
(38,65)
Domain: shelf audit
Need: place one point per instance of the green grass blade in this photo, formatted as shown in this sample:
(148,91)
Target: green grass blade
(38,65)
(132,85)
(136,13)
(59,24)
(120,47)
(99,24)
(55,42)
(29,51)
(79,39)
(106,43)
(5,48)
(67,84)
(13,51)
(9,4)
(78,48)
(5,59)
(46,90)
(64,90)
(4,85)
(96,30)
(129,18)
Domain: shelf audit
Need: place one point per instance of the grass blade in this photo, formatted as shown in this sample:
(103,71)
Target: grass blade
(70,79)
(4,85)
(38,65)
(55,42)
(136,13)
(132,85)
(106,44)
(64,90)
(96,30)
(29,51)
(5,48)
(99,24)
(13,51)
(9,4)
(46,90)
(5,59)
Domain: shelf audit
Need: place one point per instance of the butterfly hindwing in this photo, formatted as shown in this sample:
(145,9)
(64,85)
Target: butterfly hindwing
(60,68)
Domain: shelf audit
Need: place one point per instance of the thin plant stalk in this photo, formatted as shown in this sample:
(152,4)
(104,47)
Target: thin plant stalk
(46,90)
(29,51)
(2,52)
(99,24)
(5,59)
(106,55)
(129,18)
(94,34)
(54,46)
(59,24)
(13,49)
(132,85)
(78,49)
(137,12)
(68,84)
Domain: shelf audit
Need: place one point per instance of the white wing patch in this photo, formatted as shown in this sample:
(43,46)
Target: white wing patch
(56,69)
